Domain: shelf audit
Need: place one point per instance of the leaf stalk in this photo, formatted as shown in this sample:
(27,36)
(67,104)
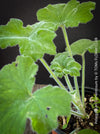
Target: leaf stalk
(70,53)
(66,40)
(52,73)
(83,78)
(68,83)
(75,100)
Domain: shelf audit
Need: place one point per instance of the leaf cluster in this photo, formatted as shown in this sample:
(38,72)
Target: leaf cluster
(63,65)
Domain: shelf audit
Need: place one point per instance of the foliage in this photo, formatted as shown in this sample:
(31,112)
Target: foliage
(81,46)
(95,104)
(63,65)
(33,40)
(17,101)
(71,14)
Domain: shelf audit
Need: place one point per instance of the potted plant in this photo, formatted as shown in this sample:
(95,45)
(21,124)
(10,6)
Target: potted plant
(44,107)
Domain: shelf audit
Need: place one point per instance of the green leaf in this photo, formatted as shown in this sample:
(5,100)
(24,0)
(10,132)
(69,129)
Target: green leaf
(16,83)
(88,131)
(51,102)
(81,46)
(95,48)
(17,102)
(33,40)
(63,65)
(70,14)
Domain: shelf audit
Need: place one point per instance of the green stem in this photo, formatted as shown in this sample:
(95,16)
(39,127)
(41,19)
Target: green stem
(51,72)
(70,53)
(61,85)
(66,40)
(76,98)
(83,79)
(79,106)
(68,83)
(76,86)
(77,113)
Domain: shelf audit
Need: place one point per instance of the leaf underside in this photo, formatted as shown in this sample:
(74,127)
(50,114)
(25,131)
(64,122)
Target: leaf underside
(70,14)
(17,102)
(33,40)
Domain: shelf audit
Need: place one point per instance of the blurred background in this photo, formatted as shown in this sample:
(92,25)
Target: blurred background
(26,11)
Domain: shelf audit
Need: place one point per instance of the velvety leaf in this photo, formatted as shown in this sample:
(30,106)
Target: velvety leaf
(88,131)
(44,26)
(70,14)
(17,102)
(81,46)
(63,65)
(16,83)
(33,40)
(95,48)
(51,102)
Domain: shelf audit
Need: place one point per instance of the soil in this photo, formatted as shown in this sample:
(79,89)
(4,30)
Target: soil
(76,122)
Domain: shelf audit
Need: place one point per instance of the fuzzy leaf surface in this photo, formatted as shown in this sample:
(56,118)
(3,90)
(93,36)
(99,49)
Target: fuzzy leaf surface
(70,14)
(50,103)
(88,131)
(81,46)
(63,65)
(17,102)
(16,83)
(33,40)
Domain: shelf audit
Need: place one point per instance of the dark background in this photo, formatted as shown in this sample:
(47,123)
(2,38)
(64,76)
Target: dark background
(26,11)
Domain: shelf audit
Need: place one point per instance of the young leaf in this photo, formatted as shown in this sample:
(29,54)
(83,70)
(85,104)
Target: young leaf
(33,40)
(63,65)
(81,46)
(88,131)
(70,14)
(17,103)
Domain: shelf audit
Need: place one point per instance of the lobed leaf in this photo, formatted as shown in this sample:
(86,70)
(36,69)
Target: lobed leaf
(33,40)
(51,102)
(70,14)
(64,65)
(16,83)
(17,102)
(81,46)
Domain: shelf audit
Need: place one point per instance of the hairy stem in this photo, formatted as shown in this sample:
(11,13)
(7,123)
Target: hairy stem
(77,87)
(76,98)
(78,107)
(70,53)
(66,40)
(76,113)
(52,73)
(68,83)
(83,78)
